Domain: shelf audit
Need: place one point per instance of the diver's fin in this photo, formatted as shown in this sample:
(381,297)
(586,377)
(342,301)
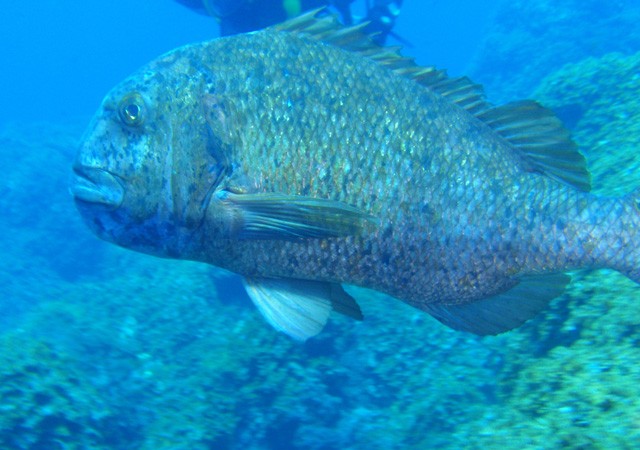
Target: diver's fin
(505,311)
(542,141)
(277,216)
(299,308)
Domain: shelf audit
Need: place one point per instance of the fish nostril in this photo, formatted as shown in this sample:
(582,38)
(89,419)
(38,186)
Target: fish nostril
(98,224)
(77,169)
(80,169)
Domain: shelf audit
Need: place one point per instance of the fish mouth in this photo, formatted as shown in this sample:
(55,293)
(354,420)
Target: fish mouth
(95,185)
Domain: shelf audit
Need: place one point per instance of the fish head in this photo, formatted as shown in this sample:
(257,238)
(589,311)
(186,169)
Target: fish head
(148,164)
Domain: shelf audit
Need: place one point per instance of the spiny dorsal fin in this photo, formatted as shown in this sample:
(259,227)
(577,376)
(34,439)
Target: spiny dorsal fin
(326,28)
(539,137)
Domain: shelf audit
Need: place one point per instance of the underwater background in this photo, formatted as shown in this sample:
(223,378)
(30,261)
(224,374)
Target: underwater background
(103,348)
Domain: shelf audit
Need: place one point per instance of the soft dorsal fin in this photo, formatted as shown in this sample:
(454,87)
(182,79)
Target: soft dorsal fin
(542,141)
(543,144)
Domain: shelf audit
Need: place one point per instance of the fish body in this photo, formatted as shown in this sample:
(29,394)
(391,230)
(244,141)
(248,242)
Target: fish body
(303,157)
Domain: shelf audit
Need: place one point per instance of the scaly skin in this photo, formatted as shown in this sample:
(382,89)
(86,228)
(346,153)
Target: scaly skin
(459,217)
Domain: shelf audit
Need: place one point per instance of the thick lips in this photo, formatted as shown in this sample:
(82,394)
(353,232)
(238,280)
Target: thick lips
(94,185)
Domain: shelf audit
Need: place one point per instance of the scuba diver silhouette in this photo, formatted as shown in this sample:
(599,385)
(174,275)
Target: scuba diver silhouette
(241,16)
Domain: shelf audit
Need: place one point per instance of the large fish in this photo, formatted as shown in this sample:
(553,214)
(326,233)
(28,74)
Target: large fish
(303,157)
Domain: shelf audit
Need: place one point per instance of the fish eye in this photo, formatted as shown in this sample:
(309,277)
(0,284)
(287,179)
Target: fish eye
(132,109)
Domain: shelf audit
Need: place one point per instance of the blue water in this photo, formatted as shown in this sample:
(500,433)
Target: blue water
(60,58)
(101,348)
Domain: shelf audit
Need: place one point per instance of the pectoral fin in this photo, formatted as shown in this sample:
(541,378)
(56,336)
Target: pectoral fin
(299,308)
(277,216)
(505,311)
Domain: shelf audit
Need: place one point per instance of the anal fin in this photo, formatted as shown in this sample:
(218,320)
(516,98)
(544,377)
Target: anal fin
(502,312)
(299,308)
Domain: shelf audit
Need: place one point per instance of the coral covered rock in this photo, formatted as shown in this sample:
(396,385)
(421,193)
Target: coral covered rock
(598,97)
(45,399)
(529,40)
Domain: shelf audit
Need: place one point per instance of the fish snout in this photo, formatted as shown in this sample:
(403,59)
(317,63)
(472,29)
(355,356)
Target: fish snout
(96,185)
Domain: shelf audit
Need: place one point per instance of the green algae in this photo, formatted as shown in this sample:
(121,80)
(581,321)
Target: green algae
(583,395)
(46,401)
(190,364)
(165,354)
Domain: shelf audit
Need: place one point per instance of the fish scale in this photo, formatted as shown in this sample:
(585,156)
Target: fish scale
(304,157)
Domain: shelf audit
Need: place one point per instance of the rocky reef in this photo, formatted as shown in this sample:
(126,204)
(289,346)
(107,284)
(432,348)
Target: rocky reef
(529,40)
(102,348)
(47,401)
(136,352)
(598,98)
